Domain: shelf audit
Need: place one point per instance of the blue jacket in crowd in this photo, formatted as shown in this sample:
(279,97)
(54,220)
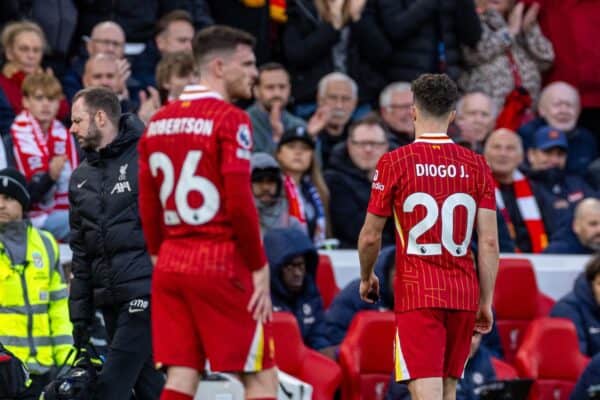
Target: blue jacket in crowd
(581,307)
(582,145)
(589,381)
(565,241)
(479,370)
(282,245)
(348,302)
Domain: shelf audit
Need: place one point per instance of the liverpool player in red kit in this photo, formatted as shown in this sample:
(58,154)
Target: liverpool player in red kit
(210,287)
(437,192)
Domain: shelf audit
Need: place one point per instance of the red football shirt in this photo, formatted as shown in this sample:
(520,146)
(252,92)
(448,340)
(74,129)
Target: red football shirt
(433,189)
(187,148)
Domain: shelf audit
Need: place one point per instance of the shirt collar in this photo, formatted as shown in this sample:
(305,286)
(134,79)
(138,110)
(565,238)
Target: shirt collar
(434,137)
(196,92)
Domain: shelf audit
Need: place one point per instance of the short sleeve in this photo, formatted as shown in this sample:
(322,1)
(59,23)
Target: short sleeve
(235,136)
(486,187)
(382,188)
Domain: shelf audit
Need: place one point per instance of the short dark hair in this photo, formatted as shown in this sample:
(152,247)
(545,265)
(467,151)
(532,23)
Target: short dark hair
(101,98)
(270,66)
(435,94)
(219,38)
(592,269)
(174,16)
(370,119)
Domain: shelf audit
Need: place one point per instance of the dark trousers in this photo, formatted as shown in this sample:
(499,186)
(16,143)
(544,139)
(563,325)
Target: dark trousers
(128,366)
(38,382)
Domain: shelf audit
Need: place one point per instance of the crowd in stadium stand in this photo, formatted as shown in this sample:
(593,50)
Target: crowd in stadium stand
(333,94)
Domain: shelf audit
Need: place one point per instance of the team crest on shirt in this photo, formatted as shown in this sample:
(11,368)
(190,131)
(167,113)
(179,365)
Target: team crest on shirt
(244,139)
(37,259)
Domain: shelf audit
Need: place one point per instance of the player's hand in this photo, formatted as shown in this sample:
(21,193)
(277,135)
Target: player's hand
(260,303)
(55,167)
(368,288)
(484,319)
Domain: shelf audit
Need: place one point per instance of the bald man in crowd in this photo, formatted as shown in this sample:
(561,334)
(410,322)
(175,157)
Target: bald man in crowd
(583,236)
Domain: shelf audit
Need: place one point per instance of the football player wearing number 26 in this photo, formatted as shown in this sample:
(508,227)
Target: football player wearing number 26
(437,192)
(210,286)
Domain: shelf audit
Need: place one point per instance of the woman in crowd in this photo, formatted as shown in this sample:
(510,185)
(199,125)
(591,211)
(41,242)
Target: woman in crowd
(305,188)
(511,53)
(23,45)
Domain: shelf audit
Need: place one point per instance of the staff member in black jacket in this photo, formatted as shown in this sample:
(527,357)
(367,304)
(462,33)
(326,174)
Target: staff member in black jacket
(111,267)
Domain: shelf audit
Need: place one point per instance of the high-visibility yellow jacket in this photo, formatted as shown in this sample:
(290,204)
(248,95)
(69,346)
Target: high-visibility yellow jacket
(34,313)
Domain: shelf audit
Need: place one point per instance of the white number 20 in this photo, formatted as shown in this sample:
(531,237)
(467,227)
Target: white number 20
(187,183)
(431,217)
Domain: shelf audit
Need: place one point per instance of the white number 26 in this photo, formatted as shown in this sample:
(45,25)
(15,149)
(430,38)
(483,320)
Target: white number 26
(186,183)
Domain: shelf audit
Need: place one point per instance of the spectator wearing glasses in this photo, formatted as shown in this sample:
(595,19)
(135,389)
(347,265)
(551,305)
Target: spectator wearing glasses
(106,38)
(394,106)
(293,260)
(349,177)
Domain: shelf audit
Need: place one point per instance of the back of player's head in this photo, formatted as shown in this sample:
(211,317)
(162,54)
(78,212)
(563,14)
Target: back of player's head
(100,98)
(218,40)
(435,94)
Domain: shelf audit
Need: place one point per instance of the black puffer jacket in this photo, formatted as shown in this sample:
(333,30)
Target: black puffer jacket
(307,48)
(110,261)
(414,28)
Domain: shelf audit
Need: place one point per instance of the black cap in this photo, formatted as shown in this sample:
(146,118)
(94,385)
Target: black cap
(13,184)
(297,133)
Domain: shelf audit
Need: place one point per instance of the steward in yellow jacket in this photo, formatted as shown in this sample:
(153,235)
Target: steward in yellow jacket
(34,314)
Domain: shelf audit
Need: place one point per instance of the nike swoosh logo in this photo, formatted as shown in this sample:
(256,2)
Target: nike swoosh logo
(80,185)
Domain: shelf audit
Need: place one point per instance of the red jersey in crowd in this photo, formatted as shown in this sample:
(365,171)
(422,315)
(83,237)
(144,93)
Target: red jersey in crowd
(433,189)
(188,147)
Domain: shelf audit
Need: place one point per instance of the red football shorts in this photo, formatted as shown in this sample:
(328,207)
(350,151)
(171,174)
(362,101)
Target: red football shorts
(432,342)
(195,318)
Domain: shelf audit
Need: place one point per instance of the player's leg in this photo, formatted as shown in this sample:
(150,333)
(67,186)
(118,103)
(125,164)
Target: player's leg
(177,344)
(426,389)
(261,385)
(450,388)
(419,350)
(459,328)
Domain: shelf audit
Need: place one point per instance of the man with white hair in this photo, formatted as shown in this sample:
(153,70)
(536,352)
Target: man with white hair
(475,118)
(559,106)
(395,102)
(337,96)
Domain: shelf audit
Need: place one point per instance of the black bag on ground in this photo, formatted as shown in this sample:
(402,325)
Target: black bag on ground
(14,376)
(77,383)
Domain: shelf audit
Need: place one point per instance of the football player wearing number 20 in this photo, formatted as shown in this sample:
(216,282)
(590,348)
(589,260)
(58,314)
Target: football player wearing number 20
(210,286)
(437,192)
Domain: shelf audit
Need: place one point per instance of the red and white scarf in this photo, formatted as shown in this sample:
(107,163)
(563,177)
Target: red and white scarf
(529,210)
(33,151)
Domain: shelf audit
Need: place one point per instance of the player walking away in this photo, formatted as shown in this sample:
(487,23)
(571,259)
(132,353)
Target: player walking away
(210,285)
(437,192)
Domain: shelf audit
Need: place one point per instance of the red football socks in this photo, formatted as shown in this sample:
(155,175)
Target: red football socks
(169,394)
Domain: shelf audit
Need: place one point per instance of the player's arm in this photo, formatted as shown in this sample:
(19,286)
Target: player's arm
(236,145)
(369,239)
(151,210)
(369,243)
(488,252)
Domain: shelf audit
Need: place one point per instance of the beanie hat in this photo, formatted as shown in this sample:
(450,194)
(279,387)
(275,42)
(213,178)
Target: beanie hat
(13,184)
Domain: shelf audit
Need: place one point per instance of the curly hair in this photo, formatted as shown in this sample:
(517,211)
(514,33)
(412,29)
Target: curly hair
(435,94)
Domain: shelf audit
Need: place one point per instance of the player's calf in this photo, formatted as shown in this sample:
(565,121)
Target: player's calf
(261,385)
(181,381)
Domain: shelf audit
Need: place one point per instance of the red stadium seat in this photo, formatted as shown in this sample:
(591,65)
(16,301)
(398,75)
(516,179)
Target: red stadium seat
(308,365)
(504,370)
(550,355)
(326,280)
(366,356)
(517,301)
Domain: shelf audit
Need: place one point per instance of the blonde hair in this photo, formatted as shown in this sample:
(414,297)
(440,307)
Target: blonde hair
(14,29)
(178,64)
(48,84)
